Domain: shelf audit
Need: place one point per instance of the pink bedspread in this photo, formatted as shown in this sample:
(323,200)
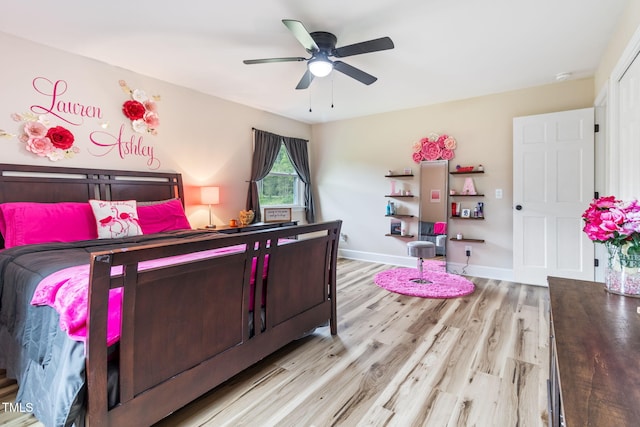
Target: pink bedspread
(67,292)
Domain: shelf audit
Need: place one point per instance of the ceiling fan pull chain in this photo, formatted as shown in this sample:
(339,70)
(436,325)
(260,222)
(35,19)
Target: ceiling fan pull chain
(332,90)
(310,101)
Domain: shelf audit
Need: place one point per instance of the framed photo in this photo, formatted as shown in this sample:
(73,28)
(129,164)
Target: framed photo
(396,227)
(466,213)
(435,196)
(277,214)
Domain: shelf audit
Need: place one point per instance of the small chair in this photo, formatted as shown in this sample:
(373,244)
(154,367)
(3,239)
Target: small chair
(421,250)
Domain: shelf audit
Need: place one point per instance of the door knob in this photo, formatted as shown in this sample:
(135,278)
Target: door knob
(518,207)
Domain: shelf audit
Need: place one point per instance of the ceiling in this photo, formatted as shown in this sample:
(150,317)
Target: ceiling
(444,50)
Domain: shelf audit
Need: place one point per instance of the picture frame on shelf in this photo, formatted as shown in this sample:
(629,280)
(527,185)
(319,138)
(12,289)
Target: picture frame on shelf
(277,214)
(396,227)
(466,213)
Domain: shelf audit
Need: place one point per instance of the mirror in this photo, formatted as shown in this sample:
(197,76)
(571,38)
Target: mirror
(433,205)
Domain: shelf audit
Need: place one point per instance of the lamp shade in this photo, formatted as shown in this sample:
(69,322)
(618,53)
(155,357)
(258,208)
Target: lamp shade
(210,195)
(320,66)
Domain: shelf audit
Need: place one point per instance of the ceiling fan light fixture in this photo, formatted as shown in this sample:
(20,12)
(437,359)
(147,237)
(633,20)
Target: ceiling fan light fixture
(320,66)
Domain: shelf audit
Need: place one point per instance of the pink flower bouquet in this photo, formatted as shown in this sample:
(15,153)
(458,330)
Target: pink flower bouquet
(614,222)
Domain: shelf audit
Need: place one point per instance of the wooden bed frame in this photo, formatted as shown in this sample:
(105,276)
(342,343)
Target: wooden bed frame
(185,327)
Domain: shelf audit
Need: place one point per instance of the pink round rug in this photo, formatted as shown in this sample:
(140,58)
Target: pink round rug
(444,285)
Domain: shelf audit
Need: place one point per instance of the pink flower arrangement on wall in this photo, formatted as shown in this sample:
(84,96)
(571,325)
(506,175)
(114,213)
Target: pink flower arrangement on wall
(53,142)
(141,110)
(434,147)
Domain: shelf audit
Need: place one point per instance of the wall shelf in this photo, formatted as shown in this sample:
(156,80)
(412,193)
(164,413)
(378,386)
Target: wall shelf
(453,239)
(468,188)
(464,173)
(398,221)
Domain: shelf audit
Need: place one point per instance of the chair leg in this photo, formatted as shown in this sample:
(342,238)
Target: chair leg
(420,278)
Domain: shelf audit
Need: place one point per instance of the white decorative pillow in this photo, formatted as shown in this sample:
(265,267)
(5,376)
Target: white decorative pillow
(116,219)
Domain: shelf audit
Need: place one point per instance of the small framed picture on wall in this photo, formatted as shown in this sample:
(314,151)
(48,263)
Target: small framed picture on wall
(435,196)
(466,213)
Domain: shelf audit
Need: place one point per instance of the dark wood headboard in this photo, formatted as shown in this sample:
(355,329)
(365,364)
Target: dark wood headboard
(48,184)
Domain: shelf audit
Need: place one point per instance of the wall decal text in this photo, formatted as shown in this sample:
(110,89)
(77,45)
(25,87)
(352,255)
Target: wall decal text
(125,147)
(68,111)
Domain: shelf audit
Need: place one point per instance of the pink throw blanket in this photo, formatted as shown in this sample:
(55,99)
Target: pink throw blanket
(440,228)
(67,291)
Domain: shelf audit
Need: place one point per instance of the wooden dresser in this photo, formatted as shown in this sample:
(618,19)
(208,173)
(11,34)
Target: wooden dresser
(595,356)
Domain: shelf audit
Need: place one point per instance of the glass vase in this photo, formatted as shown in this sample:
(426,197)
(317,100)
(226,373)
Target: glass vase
(623,272)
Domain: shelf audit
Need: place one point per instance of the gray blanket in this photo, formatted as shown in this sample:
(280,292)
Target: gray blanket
(48,366)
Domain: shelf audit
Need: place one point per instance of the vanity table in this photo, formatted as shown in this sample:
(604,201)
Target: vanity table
(594,377)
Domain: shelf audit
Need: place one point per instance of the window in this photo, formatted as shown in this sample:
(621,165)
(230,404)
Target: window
(282,185)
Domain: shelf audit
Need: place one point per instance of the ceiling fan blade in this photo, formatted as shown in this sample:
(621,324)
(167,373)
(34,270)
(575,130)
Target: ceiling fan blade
(268,60)
(376,45)
(354,72)
(301,34)
(305,81)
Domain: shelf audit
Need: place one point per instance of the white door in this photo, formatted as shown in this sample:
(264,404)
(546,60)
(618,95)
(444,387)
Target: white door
(553,183)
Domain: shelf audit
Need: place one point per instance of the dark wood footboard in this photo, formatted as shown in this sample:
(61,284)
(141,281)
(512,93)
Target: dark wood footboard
(186,327)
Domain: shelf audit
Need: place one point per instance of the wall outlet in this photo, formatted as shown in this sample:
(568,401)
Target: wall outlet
(467,250)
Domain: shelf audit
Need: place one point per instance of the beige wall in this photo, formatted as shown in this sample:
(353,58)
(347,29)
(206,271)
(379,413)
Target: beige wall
(205,138)
(627,26)
(351,158)
(208,140)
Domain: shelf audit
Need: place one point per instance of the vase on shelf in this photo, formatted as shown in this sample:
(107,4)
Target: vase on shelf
(246,217)
(623,271)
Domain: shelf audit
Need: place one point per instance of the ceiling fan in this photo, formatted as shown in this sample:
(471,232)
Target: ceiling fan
(322,45)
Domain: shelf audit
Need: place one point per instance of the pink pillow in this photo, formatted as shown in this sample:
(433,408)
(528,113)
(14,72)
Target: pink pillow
(23,223)
(116,219)
(161,217)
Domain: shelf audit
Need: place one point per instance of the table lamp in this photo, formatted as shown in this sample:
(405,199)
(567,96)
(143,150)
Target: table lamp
(210,196)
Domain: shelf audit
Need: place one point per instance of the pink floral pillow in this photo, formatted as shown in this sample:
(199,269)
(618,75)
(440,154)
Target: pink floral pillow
(116,219)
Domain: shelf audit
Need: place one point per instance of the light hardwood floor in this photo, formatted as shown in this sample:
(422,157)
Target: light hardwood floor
(480,360)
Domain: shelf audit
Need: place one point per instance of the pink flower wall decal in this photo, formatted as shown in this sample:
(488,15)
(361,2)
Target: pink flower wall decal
(434,147)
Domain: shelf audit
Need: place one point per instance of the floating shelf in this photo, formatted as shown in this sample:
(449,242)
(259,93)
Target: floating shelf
(453,239)
(464,173)
(406,236)
(461,217)
(399,195)
(466,195)
(399,176)
(400,216)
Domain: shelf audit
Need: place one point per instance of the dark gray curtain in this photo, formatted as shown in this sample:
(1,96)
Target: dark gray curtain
(265,152)
(299,156)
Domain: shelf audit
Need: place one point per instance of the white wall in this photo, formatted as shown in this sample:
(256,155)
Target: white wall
(627,26)
(351,158)
(208,140)
(205,138)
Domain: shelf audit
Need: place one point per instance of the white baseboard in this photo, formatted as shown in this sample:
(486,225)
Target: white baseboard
(407,261)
